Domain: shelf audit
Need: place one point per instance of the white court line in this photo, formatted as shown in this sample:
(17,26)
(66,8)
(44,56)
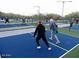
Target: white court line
(58,46)
(16,32)
(15,28)
(69,51)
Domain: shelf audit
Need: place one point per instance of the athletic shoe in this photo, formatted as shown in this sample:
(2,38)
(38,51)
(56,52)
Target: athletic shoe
(50,38)
(38,47)
(49,48)
(58,42)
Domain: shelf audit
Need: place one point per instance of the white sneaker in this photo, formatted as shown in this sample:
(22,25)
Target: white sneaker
(49,48)
(57,42)
(50,38)
(38,47)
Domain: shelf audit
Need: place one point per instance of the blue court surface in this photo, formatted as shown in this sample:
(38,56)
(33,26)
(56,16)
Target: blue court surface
(75,27)
(24,46)
(12,25)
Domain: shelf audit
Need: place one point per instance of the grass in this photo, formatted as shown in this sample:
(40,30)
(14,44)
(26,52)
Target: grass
(73,53)
(66,31)
(34,24)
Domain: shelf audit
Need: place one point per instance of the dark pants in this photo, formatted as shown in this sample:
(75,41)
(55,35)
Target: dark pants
(43,38)
(70,26)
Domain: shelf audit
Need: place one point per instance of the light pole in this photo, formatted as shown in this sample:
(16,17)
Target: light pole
(63,2)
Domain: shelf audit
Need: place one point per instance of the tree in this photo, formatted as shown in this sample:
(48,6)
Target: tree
(54,16)
(72,15)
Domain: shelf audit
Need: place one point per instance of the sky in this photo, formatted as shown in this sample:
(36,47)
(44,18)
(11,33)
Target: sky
(28,7)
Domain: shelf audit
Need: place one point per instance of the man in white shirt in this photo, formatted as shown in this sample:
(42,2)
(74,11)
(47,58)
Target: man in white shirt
(54,30)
